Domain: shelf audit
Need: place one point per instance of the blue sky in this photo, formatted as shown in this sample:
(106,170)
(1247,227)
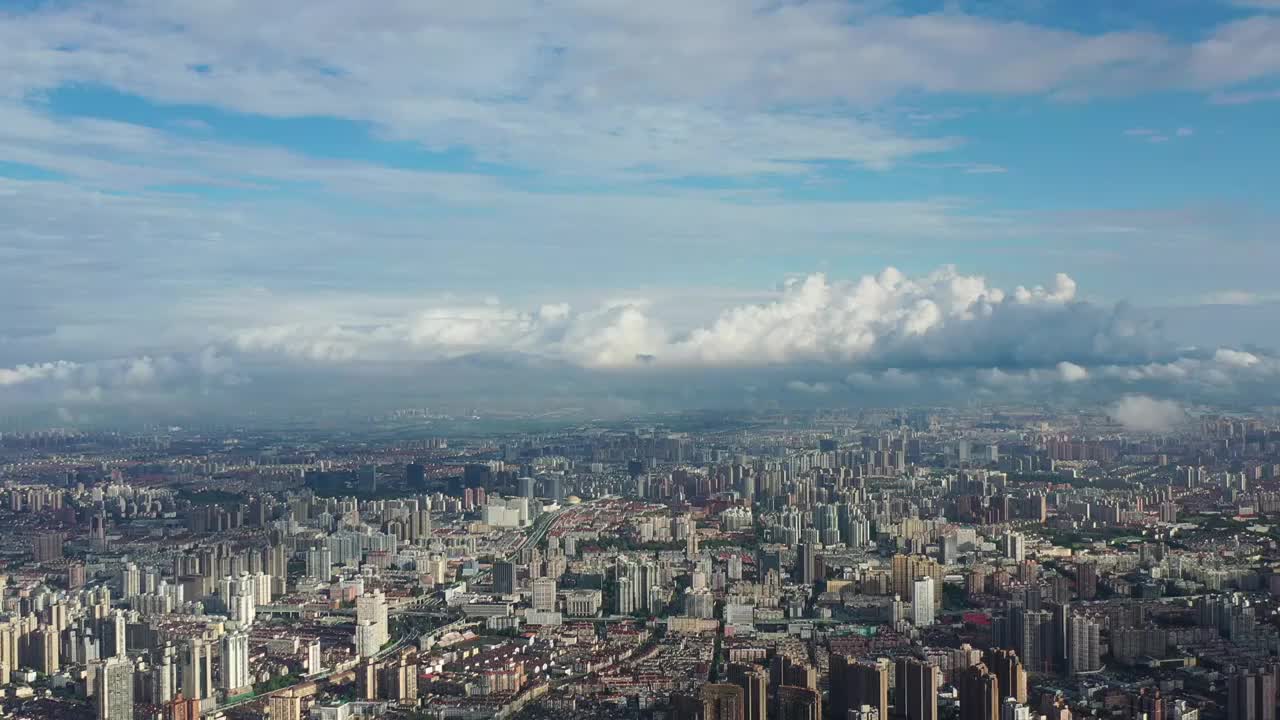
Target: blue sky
(306,181)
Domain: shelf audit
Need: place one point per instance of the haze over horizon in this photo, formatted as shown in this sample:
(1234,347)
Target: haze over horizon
(628,207)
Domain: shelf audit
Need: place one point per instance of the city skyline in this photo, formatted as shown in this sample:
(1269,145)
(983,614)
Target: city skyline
(623,208)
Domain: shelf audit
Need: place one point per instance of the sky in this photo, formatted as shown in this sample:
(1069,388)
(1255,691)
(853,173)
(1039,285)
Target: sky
(247,209)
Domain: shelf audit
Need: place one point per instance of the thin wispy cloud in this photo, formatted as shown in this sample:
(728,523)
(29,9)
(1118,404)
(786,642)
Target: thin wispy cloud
(338,188)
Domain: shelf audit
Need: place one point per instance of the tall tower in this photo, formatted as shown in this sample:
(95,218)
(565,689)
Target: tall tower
(754,681)
(1251,695)
(235,662)
(918,683)
(1009,671)
(723,702)
(854,684)
(798,703)
(544,594)
(372,608)
(1084,653)
(197,670)
(922,602)
(164,676)
(113,689)
(979,694)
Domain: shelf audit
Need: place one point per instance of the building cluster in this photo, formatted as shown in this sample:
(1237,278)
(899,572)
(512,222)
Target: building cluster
(980,565)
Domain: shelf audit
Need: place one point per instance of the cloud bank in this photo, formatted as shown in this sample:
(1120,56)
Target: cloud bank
(941,336)
(1140,413)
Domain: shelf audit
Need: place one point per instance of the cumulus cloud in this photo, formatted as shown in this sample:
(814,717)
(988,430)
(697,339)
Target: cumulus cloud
(36,373)
(123,379)
(1071,372)
(881,329)
(811,388)
(935,335)
(1141,413)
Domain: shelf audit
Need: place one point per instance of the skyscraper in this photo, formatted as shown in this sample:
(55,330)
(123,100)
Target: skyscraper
(798,703)
(754,681)
(113,689)
(504,577)
(723,702)
(544,594)
(909,568)
(235,662)
(1086,581)
(371,609)
(917,683)
(415,476)
(1251,695)
(922,602)
(1009,671)
(979,694)
(197,670)
(806,563)
(1015,546)
(854,684)
(1084,652)
(164,675)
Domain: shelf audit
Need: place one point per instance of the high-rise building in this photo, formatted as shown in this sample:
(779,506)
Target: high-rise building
(807,562)
(130,581)
(979,692)
(1084,653)
(723,702)
(754,681)
(1251,695)
(909,568)
(164,675)
(415,476)
(917,683)
(46,643)
(1009,671)
(1086,581)
(48,547)
(922,602)
(504,577)
(371,610)
(320,563)
(1015,546)
(113,689)
(75,575)
(544,594)
(285,705)
(1029,632)
(862,683)
(235,662)
(798,703)
(197,670)
(117,634)
(399,679)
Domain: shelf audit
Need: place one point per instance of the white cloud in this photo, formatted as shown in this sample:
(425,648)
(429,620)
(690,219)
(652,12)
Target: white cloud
(889,321)
(811,388)
(122,379)
(1141,413)
(666,88)
(1070,372)
(35,373)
